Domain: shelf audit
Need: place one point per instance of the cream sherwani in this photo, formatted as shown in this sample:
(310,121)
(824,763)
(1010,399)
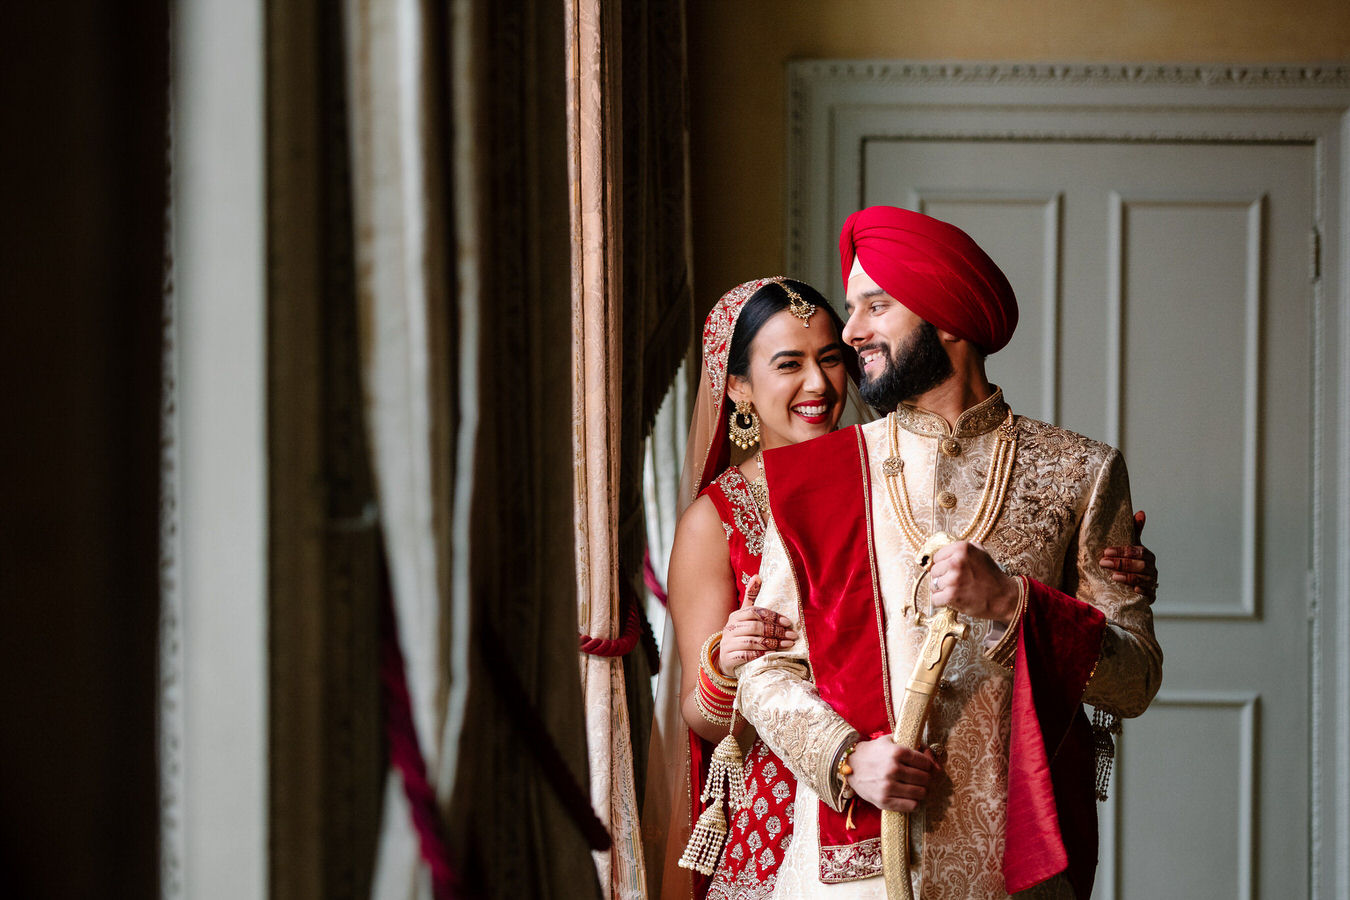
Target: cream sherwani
(1067,500)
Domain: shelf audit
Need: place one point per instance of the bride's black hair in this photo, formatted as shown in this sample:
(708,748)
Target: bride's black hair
(762,306)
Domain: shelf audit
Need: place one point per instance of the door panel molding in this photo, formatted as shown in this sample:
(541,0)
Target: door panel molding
(837,110)
(1050,207)
(1247,603)
(1245,708)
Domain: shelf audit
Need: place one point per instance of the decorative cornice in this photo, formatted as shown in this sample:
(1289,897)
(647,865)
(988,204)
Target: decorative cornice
(1331,75)
(819,92)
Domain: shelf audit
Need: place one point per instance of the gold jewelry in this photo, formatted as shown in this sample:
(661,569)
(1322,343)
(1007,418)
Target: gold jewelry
(725,784)
(986,512)
(759,489)
(708,662)
(842,769)
(797,305)
(710,714)
(747,435)
(726,776)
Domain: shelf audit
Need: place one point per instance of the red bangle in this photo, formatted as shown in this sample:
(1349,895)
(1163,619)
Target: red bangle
(712,693)
(721,707)
(710,662)
(715,706)
(713,690)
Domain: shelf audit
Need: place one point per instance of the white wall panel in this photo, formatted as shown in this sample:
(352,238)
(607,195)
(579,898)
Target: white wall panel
(1193,775)
(1184,311)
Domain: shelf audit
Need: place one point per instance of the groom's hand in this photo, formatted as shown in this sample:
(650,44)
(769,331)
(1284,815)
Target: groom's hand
(968,580)
(890,776)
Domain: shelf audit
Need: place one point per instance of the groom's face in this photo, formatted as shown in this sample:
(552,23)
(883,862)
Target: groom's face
(901,355)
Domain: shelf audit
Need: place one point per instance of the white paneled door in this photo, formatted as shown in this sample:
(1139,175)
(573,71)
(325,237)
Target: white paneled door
(1161,229)
(1166,303)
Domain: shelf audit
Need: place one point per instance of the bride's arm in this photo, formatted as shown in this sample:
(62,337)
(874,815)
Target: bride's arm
(705,597)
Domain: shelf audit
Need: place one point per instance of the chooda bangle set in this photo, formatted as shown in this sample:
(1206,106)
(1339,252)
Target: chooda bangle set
(716,692)
(725,782)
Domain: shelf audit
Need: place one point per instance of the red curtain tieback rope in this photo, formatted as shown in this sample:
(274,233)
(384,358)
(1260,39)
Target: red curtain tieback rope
(623,644)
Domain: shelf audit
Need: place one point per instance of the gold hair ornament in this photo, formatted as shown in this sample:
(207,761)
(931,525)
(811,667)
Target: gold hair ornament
(797,305)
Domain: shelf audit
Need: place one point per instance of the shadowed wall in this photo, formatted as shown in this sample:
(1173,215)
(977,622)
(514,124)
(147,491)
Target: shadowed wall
(82,163)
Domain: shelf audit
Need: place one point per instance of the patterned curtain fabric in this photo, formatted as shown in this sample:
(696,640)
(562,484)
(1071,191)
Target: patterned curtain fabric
(460,196)
(522,275)
(632,314)
(595,169)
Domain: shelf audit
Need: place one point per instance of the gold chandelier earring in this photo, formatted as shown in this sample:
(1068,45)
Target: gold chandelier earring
(743,425)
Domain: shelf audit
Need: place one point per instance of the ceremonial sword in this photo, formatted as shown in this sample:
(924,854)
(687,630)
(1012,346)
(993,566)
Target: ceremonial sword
(943,632)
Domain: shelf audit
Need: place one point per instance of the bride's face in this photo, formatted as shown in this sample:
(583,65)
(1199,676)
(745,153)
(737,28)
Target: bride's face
(796,379)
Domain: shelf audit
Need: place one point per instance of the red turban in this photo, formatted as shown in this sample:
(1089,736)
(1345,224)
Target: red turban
(935,269)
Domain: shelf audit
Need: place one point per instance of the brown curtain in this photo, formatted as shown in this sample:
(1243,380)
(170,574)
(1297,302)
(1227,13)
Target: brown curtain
(632,312)
(461,211)
(438,264)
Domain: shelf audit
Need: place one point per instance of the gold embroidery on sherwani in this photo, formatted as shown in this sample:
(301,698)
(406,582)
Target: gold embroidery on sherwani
(1068,499)
(876,582)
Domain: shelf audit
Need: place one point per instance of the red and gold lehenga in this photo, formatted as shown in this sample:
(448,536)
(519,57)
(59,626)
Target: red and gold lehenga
(761,829)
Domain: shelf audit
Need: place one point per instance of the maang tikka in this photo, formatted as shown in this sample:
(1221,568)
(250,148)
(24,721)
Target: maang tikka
(797,305)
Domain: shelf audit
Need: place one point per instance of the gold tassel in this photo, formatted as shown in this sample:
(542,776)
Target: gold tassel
(710,831)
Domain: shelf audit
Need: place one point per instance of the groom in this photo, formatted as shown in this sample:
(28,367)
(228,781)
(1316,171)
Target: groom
(1002,785)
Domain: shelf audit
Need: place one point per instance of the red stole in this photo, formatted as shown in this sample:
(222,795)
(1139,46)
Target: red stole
(820,495)
(1052,812)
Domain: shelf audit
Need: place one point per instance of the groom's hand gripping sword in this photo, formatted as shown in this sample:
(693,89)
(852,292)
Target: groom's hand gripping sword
(943,632)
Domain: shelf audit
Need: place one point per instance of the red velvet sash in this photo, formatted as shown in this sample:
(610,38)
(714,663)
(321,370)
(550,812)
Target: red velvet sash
(1052,813)
(819,492)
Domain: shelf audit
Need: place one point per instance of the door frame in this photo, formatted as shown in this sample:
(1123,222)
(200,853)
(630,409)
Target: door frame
(836,106)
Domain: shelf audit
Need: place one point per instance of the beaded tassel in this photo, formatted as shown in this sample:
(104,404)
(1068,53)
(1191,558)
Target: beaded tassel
(726,780)
(1104,725)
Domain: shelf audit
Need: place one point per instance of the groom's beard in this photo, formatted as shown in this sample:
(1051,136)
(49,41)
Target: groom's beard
(918,365)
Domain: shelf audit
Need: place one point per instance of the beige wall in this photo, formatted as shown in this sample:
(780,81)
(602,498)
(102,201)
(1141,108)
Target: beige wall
(738,50)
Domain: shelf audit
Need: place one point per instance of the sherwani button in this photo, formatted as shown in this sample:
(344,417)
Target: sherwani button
(950,446)
(947,500)
(945,684)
